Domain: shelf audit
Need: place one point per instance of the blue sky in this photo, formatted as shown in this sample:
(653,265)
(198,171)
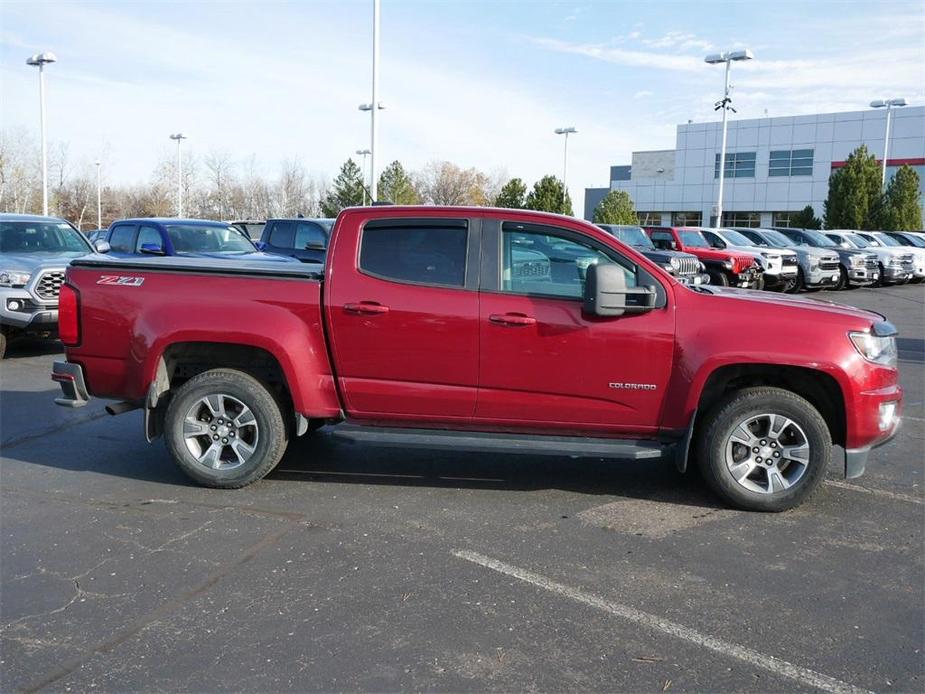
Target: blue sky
(478,83)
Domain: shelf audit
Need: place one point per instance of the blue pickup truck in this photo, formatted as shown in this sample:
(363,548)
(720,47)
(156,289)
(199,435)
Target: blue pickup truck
(304,239)
(190,238)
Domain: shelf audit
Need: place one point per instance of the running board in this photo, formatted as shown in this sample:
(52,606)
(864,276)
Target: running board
(623,449)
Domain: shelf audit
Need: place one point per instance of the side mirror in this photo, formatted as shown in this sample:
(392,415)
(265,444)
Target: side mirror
(845,244)
(102,246)
(606,292)
(151,249)
(261,246)
(314,246)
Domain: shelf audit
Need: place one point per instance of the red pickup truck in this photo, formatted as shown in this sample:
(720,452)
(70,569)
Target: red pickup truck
(497,330)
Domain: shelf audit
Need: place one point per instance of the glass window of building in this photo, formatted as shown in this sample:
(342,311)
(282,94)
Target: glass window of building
(742,219)
(797,162)
(686,219)
(649,218)
(738,165)
(782,219)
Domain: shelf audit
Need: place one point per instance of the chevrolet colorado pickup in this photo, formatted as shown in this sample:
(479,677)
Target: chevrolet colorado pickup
(495,330)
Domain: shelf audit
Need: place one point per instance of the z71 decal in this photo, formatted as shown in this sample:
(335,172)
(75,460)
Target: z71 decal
(121,280)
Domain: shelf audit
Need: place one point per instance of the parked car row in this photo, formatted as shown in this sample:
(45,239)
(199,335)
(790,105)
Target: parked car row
(36,251)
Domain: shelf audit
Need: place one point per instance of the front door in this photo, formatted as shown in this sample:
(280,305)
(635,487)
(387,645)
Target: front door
(403,313)
(544,364)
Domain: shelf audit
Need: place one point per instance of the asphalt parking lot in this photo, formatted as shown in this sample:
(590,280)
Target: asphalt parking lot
(363,568)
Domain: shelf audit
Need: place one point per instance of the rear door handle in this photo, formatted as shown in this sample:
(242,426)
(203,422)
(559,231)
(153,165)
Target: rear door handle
(369,308)
(512,319)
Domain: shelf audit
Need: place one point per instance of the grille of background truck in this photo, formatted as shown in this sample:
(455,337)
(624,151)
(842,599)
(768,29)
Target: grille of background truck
(689,266)
(49,284)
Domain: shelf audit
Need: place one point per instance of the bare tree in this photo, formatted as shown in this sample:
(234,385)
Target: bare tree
(444,183)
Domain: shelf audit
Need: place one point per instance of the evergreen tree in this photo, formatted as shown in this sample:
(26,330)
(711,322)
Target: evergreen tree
(512,195)
(395,185)
(806,219)
(549,195)
(902,207)
(347,190)
(854,199)
(616,208)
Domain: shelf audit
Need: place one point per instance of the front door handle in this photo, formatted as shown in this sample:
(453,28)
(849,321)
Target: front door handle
(512,319)
(368,308)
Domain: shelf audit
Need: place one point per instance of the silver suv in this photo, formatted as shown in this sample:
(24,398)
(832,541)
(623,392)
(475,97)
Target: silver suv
(34,253)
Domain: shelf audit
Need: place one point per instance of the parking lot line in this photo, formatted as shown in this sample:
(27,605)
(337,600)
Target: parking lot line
(774,665)
(896,496)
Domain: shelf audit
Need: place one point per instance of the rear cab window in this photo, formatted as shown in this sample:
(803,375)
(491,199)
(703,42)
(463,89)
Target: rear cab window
(429,252)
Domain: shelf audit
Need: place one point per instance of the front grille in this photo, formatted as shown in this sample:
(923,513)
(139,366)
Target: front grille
(688,266)
(49,284)
(828,264)
(871,262)
(790,261)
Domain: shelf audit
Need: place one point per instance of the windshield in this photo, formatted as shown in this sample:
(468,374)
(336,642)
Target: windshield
(631,236)
(887,240)
(858,241)
(817,239)
(778,239)
(690,237)
(737,239)
(41,237)
(914,241)
(189,238)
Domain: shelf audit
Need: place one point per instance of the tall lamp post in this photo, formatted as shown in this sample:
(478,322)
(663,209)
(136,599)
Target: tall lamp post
(40,60)
(179,137)
(364,153)
(726,105)
(99,196)
(888,104)
(374,125)
(373,183)
(565,131)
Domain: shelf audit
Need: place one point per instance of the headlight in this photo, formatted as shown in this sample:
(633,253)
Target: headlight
(675,264)
(668,267)
(876,349)
(12,278)
(701,267)
(727,264)
(858,260)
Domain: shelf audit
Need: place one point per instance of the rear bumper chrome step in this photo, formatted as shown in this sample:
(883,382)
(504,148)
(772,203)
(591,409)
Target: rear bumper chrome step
(623,449)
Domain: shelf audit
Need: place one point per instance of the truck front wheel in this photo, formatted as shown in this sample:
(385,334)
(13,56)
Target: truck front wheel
(225,429)
(764,449)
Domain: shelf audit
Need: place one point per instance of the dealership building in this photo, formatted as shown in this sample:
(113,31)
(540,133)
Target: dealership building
(774,166)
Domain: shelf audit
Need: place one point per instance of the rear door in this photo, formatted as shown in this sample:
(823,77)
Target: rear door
(402,307)
(122,240)
(302,239)
(545,365)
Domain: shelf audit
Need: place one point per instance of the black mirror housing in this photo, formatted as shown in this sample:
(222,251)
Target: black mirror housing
(606,292)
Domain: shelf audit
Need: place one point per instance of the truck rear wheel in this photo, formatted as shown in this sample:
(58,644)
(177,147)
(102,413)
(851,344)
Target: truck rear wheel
(764,449)
(225,429)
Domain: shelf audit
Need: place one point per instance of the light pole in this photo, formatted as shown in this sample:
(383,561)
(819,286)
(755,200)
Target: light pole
(888,104)
(40,60)
(179,137)
(374,128)
(725,104)
(364,153)
(565,131)
(99,197)
(373,184)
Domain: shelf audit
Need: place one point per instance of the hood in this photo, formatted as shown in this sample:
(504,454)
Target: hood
(657,255)
(742,260)
(756,297)
(30,262)
(256,255)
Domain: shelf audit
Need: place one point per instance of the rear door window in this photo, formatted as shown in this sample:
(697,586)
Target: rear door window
(422,253)
(149,236)
(281,235)
(309,235)
(122,238)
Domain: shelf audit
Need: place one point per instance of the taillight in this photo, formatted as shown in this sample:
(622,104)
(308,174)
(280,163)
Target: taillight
(68,319)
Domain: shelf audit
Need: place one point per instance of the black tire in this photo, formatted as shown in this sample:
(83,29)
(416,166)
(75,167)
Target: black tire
(723,419)
(842,279)
(2,344)
(879,282)
(271,431)
(798,284)
(719,279)
(759,283)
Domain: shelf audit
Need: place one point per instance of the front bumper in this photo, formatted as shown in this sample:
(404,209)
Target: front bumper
(19,309)
(749,278)
(892,273)
(73,387)
(862,275)
(822,278)
(693,280)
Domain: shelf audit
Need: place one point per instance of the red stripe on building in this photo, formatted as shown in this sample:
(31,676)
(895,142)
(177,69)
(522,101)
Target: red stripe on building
(889,162)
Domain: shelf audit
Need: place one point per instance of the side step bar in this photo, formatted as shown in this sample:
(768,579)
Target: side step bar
(623,449)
